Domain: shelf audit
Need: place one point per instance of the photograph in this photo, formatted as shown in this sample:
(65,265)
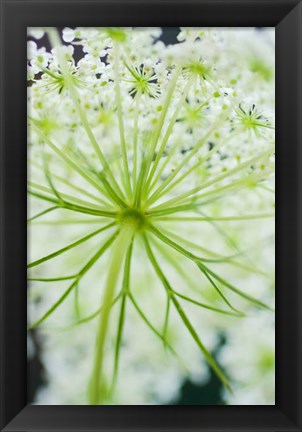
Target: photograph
(151,216)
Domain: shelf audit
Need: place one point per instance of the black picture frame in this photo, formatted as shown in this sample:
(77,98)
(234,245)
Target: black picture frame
(16,16)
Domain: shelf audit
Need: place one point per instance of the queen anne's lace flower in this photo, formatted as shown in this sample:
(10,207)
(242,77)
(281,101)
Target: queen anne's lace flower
(151,204)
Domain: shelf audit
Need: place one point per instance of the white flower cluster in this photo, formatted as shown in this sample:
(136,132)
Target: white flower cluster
(173,145)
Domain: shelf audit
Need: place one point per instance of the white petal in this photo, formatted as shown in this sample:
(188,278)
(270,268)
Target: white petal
(68,34)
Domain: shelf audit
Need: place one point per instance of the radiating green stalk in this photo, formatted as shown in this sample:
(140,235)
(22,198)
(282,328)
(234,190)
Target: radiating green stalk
(56,41)
(55,279)
(48,210)
(229,241)
(222,258)
(111,192)
(125,290)
(214,181)
(234,289)
(159,125)
(76,187)
(118,100)
(193,203)
(168,132)
(94,221)
(135,136)
(234,186)
(187,158)
(215,286)
(193,168)
(207,272)
(76,302)
(164,111)
(153,212)
(81,273)
(70,246)
(167,315)
(97,388)
(67,159)
(150,326)
(196,261)
(96,313)
(262,186)
(209,307)
(49,179)
(175,262)
(81,321)
(210,359)
(54,306)
(214,218)
(69,197)
(160,170)
(139,184)
(74,207)
(180,270)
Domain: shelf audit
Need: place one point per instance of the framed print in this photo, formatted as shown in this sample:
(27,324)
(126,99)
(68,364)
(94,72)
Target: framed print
(158,295)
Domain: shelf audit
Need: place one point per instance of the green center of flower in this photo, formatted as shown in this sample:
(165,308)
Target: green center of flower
(134,217)
(117,34)
(199,68)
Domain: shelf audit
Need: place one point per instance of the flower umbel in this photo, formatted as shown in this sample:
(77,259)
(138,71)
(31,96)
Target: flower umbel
(153,183)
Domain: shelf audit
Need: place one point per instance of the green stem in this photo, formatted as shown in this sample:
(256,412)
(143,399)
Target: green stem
(81,321)
(203,159)
(229,188)
(151,327)
(74,207)
(161,212)
(207,272)
(120,119)
(169,131)
(94,221)
(65,196)
(55,41)
(75,187)
(160,122)
(97,388)
(48,210)
(219,259)
(168,158)
(57,279)
(125,290)
(135,136)
(210,359)
(67,159)
(70,246)
(215,180)
(186,160)
(139,183)
(215,218)
(81,273)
